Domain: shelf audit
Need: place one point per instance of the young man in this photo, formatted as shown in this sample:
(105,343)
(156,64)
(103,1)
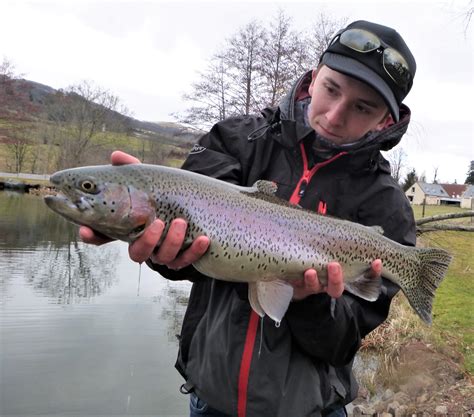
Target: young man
(322,147)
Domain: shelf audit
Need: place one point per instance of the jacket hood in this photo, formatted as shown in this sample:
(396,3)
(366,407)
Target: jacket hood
(293,126)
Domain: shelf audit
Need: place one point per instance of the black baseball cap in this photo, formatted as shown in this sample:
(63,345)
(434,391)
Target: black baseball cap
(368,67)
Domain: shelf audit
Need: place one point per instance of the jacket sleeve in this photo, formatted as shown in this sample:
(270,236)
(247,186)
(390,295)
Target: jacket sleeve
(336,338)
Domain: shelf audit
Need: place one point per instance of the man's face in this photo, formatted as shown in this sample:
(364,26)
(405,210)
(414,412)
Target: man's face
(344,109)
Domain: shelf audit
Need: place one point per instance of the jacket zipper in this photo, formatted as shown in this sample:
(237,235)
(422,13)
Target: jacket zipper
(300,189)
(252,327)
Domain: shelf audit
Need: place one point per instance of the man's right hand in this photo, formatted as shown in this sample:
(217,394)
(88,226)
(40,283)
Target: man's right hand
(145,247)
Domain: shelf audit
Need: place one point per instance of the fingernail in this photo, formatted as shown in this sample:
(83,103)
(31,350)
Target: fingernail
(179,227)
(203,245)
(333,269)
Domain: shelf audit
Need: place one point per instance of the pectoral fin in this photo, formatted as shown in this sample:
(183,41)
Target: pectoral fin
(271,298)
(364,287)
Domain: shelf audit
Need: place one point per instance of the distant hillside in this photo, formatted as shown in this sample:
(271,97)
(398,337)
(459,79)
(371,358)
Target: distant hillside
(40,95)
(168,129)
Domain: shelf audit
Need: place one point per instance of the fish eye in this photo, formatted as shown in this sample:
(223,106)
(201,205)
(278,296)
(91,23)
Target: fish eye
(88,186)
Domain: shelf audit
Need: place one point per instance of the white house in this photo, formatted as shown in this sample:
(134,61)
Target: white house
(436,194)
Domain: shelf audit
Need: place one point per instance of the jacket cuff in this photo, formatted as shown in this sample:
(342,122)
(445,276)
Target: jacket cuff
(188,273)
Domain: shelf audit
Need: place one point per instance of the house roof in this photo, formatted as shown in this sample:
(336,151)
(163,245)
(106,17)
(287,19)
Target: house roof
(454,190)
(447,191)
(469,192)
(435,190)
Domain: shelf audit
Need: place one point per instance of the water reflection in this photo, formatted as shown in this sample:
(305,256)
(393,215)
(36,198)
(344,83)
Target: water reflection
(173,301)
(75,339)
(73,273)
(51,258)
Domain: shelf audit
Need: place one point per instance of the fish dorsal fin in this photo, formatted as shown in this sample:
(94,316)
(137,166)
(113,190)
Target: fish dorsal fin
(253,299)
(273,297)
(266,187)
(378,229)
(266,190)
(365,287)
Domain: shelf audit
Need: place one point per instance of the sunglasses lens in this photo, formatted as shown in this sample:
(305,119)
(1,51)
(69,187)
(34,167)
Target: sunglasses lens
(396,66)
(360,40)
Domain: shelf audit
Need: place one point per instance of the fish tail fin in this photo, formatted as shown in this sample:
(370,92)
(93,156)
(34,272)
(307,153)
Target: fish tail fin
(433,264)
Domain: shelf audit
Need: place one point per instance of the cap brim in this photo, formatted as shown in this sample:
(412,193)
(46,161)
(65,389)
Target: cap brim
(353,68)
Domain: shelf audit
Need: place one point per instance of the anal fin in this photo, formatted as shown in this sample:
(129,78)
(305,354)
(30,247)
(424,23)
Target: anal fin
(271,298)
(253,299)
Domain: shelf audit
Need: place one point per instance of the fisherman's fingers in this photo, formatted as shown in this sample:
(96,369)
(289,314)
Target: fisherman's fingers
(142,248)
(197,249)
(88,235)
(309,285)
(122,158)
(335,286)
(376,269)
(172,243)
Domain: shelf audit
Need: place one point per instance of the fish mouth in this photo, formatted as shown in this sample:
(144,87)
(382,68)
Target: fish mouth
(64,206)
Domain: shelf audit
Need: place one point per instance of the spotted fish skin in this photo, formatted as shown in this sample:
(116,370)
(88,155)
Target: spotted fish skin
(255,237)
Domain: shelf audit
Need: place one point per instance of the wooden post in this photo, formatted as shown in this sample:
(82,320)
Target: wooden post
(424,205)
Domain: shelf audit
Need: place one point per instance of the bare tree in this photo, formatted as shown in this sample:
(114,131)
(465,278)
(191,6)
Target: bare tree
(18,150)
(320,36)
(80,113)
(397,158)
(210,95)
(15,103)
(278,57)
(255,68)
(243,58)
(468,16)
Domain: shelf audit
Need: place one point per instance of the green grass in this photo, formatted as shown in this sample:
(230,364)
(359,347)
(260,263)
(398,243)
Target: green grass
(453,308)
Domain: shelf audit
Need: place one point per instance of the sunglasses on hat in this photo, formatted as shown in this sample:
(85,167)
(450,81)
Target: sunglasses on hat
(393,62)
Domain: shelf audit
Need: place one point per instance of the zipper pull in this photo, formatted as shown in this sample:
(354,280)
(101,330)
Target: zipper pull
(302,188)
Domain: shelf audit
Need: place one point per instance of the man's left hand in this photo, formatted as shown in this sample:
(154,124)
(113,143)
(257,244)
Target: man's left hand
(310,284)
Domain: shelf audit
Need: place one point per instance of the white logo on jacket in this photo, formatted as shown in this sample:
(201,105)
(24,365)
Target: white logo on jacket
(197,149)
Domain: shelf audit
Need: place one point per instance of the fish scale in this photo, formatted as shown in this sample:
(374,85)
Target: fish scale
(255,237)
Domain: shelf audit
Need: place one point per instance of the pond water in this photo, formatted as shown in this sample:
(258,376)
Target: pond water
(82,332)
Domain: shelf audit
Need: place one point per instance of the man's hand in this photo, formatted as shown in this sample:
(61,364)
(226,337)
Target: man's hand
(335,286)
(145,246)
(168,253)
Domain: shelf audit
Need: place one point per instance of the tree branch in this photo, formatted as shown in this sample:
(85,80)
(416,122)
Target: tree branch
(444,217)
(448,227)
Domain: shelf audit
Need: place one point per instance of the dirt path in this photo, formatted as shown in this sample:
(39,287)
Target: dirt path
(424,383)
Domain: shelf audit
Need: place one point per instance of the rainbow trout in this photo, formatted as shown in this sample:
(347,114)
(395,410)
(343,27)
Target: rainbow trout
(255,237)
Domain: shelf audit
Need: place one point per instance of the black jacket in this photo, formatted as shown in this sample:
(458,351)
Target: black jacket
(302,368)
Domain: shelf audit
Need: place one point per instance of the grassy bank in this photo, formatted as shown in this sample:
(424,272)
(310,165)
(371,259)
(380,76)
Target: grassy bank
(453,323)
(454,302)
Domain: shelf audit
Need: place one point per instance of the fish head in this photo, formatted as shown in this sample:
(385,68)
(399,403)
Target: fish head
(95,198)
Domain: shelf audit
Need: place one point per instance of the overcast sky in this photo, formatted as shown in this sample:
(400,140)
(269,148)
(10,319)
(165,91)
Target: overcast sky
(149,53)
